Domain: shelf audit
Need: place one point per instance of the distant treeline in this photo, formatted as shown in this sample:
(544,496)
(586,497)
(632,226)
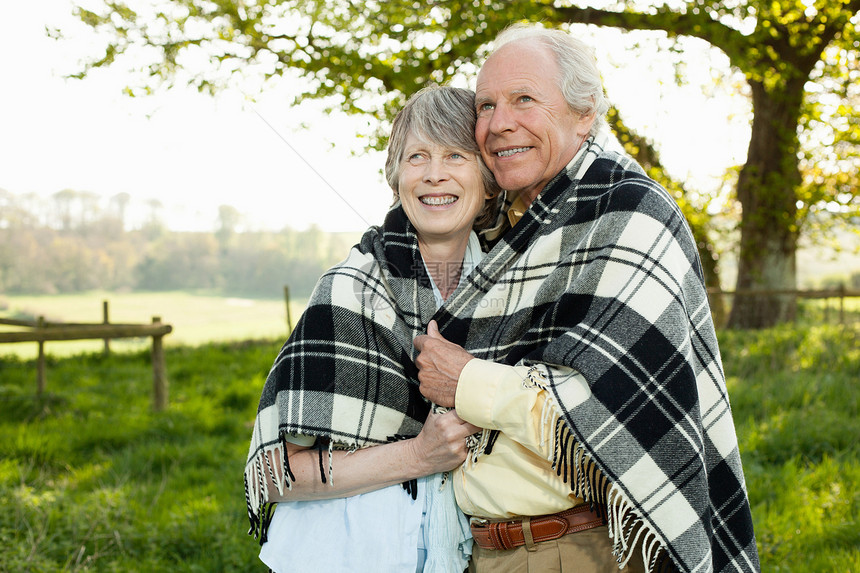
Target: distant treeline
(45,260)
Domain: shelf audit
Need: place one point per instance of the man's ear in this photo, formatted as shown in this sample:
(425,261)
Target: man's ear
(585,121)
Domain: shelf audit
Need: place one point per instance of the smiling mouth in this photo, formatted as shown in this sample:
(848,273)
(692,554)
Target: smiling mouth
(510,152)
(436,200)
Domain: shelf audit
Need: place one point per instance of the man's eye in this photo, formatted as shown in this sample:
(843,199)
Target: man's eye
(485,107)
(526,99)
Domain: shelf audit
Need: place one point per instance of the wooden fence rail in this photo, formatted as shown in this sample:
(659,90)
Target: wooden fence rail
(840,293)
(41,331)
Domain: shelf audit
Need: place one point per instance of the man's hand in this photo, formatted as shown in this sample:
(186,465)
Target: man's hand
(439,366)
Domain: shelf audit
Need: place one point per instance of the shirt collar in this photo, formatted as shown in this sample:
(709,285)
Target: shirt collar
(517,209)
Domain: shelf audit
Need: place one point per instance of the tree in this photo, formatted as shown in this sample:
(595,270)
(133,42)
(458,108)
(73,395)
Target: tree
(13,212)
(228,220)
(154,226)
(119,207)
(180,261)
(777,51)
(367,57)
(90,212)
(64,201)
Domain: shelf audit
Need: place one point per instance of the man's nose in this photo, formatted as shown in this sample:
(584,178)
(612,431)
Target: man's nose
(502,119)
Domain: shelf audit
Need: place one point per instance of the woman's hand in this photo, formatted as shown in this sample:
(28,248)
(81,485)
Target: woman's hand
(441,444)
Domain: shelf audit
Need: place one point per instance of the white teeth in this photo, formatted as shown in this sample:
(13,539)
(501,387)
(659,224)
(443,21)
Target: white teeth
(446,200)
(509,152)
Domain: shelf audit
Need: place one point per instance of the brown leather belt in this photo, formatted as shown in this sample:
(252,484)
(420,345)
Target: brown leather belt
(509,534)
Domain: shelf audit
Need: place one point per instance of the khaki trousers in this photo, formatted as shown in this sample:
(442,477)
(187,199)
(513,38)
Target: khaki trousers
(587,551)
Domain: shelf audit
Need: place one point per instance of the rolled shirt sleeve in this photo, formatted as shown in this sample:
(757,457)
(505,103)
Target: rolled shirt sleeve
(517,477)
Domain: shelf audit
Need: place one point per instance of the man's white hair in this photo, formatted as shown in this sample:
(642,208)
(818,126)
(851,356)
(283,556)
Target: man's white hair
(579,80)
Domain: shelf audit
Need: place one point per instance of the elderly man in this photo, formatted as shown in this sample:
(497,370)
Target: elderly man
(583,345)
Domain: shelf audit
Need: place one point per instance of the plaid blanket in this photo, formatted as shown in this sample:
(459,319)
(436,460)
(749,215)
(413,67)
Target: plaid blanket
(601,278)
(346,374)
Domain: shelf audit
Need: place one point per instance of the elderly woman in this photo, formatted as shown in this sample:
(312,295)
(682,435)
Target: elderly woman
(342,434)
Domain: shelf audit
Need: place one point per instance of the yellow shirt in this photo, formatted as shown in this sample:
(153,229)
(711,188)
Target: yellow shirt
(516,211)
(516,478)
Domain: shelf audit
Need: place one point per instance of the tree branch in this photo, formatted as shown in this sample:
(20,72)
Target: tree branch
(832,28)
(698,25)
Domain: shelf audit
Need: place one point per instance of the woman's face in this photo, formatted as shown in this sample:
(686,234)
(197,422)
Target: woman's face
(440,189)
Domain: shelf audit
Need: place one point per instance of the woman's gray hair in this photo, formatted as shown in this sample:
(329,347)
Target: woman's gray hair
(579,81)
(446,116)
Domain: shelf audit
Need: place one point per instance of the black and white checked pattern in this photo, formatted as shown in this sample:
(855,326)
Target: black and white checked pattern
(347,374)
(600,279)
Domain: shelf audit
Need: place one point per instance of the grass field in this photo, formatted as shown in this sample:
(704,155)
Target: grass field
(196,318)
(91,479)
(200,318)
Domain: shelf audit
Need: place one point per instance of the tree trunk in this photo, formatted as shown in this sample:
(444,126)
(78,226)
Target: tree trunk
(767,192)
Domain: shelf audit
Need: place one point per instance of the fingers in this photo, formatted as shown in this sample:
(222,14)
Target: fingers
(459,427)
(439,363)
(435,390)
(433,330)
(441,444)
(433,333)
(470,428)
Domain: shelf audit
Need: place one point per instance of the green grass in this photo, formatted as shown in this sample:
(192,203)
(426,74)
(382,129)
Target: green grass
(795,395)
(197,318)
(91,479)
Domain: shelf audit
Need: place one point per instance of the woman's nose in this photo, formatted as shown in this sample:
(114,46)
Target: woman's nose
(436,170)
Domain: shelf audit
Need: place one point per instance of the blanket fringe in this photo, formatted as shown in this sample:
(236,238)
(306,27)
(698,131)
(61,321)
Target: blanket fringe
(411,487)
(258,472)
(327,476)
(480,444)
(570,458)
(626,527)
(261,467)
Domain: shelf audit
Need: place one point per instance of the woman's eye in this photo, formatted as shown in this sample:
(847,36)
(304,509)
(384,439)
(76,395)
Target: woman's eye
(416,159)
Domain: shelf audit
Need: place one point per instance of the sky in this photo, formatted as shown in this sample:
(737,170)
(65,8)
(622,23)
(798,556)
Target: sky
(194,152)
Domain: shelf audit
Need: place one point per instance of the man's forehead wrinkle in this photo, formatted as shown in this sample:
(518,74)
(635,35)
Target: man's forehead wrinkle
(520,90)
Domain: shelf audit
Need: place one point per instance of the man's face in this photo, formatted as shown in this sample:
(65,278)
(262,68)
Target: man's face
(526,131)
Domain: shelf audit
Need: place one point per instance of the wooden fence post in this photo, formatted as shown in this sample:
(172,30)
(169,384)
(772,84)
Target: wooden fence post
(105,320)
(842,303)
(159,370)
(41,375)
(289,316)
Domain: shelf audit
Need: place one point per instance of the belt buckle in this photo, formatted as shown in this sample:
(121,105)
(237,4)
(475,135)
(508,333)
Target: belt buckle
(479,521)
